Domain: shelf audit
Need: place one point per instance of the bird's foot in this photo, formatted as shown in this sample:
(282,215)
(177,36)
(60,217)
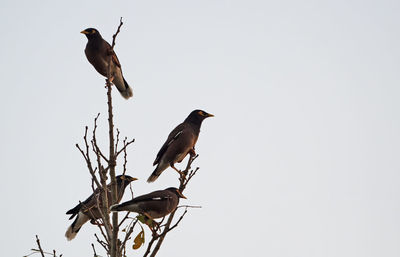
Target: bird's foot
(154,227)
(109,81)
(192,152)
(180,172)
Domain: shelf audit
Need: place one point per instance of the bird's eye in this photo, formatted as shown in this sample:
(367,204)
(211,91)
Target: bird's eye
(202,113)
(93,31)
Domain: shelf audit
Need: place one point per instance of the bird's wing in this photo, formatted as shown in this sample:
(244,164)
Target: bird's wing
(90,202)
(113,55)
(82,206)
(153,196)
(171,138)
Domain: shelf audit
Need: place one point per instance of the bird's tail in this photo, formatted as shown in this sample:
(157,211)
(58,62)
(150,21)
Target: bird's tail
(127,93)
(74,211)
(76,226)
(156,173)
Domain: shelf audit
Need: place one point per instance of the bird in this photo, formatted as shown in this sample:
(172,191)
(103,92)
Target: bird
(180,142)
(154,205)
(87,210)
(98,52)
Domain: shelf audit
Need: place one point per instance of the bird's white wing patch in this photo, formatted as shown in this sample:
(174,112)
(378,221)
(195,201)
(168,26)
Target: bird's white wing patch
(175,137)
(160,198)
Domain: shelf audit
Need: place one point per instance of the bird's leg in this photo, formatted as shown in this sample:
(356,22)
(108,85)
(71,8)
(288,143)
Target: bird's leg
(109,81)
(152,224)
(192,152)
(180,172)
(154,227)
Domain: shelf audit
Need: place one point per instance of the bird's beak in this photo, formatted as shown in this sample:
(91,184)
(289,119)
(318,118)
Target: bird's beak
(180,194)
(210,115)
(84,32)
(132,179)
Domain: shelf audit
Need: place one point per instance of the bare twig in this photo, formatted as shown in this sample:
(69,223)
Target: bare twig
(40,250)
(39,246)
(102,243)
(94,250)
(117,140)
(179,220)
(184,180)
(129,231)
(124,147)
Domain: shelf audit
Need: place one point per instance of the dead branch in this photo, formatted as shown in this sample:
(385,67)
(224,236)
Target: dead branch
(184,179)
(40,250)
(39,246)
(112,156)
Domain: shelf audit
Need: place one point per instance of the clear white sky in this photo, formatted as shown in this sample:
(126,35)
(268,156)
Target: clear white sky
(301,159)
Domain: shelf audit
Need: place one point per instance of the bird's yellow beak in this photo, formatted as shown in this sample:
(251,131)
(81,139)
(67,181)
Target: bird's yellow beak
(84,32)
(132,179)
(210,115)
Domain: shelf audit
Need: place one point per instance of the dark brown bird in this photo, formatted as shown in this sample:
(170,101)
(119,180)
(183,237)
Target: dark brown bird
(87,210)
(180,142)
(98,52)
(153,205)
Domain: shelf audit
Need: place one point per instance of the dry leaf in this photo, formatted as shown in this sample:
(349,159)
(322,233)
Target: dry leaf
(139,240)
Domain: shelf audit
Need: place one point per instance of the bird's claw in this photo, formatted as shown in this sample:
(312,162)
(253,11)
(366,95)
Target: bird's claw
(192,152)
(109,81)
(180,172)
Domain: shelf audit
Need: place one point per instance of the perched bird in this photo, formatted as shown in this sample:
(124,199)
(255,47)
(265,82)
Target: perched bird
(87,210)
(98,52)
(153,205)
(180,142)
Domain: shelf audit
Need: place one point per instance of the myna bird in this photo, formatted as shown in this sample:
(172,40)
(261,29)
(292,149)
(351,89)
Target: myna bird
(87,210)
(180,142)
(153,205)
(98,52)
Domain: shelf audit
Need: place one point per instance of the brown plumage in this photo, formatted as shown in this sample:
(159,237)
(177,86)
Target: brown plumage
(180,142)
(153,205)
(87,210)
(98,52)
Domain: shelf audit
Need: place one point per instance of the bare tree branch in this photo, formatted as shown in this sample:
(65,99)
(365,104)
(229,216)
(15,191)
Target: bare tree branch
(39,246)
(40,250)
(184,179)
(112,156)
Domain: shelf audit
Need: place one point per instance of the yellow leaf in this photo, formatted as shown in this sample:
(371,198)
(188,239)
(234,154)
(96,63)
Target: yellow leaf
(145,220)
(139,240)
(141,218)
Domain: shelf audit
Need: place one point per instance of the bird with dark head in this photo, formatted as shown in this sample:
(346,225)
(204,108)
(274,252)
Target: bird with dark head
(88,209)
(154,205)
(99,53)
(180,142)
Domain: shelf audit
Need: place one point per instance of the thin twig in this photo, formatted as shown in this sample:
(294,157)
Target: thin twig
(94,250)
(183,181)
(40,247)
(102,243)
(124,147)
(129,231)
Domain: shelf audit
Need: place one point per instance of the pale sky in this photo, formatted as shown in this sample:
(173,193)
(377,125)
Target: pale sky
(301,159)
